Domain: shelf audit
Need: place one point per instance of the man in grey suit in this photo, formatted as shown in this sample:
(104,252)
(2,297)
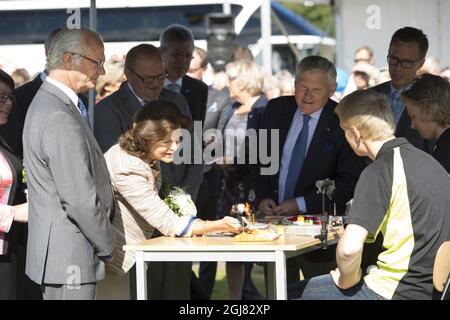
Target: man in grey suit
(70,194)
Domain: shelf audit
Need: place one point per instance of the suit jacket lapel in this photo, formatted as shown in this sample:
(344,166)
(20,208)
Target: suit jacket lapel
(131,102)
(73,109)
(321,134)
(285,124)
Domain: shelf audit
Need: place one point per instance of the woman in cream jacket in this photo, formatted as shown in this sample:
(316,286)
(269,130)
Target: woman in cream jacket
(133,164)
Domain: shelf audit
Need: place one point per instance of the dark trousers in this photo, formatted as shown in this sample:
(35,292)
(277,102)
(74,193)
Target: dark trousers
(168,280)
(206,203)
(14,283)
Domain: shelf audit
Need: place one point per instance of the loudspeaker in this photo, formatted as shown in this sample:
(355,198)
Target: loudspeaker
(220,39)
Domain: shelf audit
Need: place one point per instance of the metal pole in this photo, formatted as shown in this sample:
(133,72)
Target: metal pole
(337,20)
(266,33)
(93,27)
(226,7)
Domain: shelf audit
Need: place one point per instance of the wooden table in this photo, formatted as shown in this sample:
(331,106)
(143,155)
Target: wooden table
(224,249)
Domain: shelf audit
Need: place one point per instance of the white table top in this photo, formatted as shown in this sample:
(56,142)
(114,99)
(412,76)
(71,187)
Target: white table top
(284,243)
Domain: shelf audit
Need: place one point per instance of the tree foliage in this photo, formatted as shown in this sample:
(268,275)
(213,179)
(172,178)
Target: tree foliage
(321,16)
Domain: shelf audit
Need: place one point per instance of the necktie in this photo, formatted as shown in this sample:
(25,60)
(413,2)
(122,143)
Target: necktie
(83,111)
(397,105)
(174,87)
(297,158)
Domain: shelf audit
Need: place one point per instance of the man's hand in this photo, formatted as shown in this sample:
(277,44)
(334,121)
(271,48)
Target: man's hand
(338,281)
(288,206)
(268,206)
(336,274)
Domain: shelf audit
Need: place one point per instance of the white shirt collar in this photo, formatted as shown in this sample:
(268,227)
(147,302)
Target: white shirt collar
(314,115)
(67,91)
(178,82)
(142,102)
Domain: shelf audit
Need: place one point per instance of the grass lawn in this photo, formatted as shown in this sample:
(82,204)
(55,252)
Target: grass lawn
(220,291)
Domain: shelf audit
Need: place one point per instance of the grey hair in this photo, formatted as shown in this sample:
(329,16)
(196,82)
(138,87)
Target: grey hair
(68,40)
(177,33)
(316,63)
(248,74)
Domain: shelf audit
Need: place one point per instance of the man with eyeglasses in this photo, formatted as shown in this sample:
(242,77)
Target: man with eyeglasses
(145,73)
(71,198)
(406,55)
(177,45)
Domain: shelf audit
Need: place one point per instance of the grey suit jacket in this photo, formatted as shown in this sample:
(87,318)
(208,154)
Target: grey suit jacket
(113,116)
(70,193)
(219,103)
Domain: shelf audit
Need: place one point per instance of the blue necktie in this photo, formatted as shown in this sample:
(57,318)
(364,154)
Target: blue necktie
(174,87)
(83,111)
(297,158)
(397,105)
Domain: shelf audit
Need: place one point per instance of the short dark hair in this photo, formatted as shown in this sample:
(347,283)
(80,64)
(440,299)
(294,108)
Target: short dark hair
(177,33)
(6,79)
(410,34)
(142,51)
(151,124)
(431,94)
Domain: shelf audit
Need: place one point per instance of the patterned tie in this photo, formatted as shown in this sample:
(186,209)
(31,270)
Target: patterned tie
(174,87)
(83,111)
(397,105)
(297,158)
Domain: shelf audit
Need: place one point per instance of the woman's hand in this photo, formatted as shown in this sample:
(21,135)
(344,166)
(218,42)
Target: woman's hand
(21,212)
(229,224)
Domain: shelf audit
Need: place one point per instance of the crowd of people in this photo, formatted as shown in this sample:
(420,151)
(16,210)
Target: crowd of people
(94,186)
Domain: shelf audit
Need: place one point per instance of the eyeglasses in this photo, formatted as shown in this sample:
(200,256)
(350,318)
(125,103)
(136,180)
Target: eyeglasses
(98,63)
(149,79)
(4,98)
(180,55)
(406,64)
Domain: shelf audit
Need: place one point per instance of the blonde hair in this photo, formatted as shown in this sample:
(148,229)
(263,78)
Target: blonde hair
(368,111)
(248,75)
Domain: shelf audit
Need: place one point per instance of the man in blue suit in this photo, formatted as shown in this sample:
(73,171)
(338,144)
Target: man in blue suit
(407,51)
(312,147)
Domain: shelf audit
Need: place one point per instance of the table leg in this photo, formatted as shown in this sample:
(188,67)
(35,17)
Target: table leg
(141,276)
(280,275)
(271,293)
